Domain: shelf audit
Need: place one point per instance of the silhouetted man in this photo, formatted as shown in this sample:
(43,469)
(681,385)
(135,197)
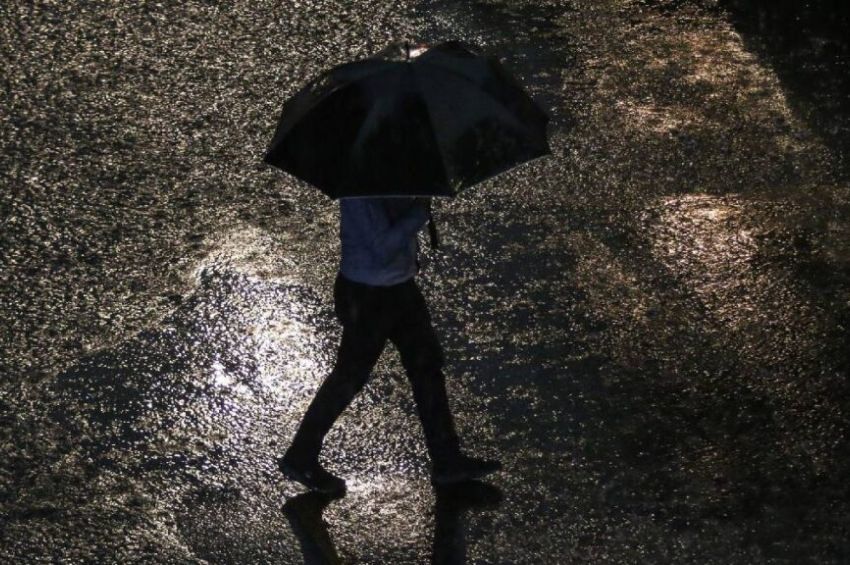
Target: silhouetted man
(376,299)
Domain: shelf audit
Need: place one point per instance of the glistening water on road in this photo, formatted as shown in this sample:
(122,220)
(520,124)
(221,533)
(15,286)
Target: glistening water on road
(648,328)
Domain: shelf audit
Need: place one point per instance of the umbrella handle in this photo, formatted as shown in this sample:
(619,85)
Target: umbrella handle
(432,229)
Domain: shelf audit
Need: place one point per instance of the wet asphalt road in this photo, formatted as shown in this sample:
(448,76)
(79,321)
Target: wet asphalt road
(649,328)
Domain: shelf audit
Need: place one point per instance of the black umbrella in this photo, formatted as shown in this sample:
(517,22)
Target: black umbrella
(409,121)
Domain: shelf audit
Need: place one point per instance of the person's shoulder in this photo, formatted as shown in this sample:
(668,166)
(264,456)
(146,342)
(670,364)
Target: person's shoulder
(363,207)
(363,204)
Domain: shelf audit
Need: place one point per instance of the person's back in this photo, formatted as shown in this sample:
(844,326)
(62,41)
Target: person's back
(378,239)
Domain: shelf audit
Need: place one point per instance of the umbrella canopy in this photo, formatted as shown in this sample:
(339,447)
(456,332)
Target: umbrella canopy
(408,122)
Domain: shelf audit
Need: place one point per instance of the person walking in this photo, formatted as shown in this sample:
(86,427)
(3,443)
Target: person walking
(376,299)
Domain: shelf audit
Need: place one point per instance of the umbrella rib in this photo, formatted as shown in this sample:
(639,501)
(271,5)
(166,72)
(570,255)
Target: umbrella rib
(497,106)
(369,121)
(294,117)
(466,78)
(440,149)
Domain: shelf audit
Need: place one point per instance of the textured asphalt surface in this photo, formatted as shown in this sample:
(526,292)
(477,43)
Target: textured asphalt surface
(649,327)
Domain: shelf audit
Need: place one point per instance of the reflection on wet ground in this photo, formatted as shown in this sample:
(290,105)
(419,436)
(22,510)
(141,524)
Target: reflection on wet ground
(649,328)
(304,514)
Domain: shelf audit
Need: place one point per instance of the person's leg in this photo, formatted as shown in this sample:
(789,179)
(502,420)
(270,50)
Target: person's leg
(363,338)
(355,358)
(422,358)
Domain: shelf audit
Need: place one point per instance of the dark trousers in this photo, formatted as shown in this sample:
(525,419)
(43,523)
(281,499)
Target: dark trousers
(370,316)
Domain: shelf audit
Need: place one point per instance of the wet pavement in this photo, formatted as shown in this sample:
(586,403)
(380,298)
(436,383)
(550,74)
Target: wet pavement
(649,328)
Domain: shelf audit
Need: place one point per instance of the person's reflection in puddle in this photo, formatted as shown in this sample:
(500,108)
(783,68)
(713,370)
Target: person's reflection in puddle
(450,526)
(304,513)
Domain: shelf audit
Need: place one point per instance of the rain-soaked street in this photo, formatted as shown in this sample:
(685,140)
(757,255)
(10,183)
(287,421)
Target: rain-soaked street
(649,327)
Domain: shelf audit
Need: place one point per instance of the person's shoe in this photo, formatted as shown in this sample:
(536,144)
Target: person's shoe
(311,475)
(462,468)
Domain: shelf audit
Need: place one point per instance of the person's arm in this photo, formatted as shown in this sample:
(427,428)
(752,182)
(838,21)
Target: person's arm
(394,237)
